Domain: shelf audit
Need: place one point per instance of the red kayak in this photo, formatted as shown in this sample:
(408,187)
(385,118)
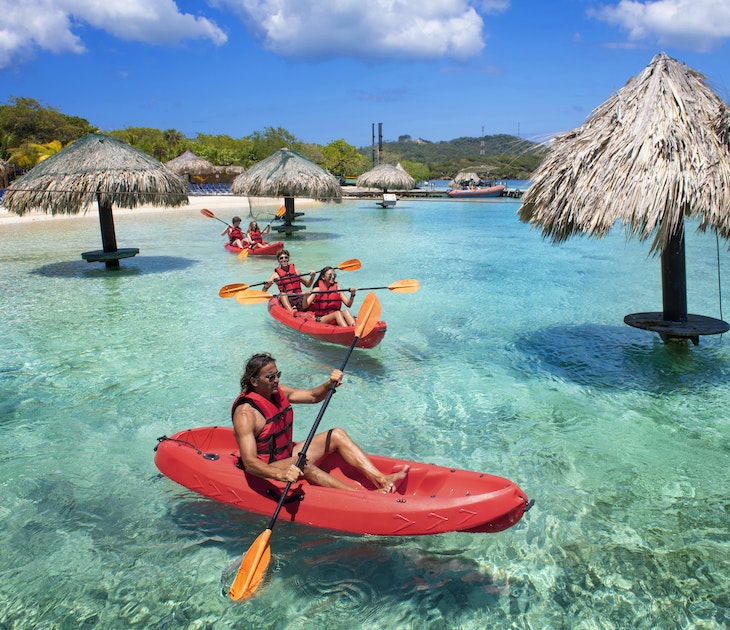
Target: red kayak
(342,335)
(475,193)
(267,249)
(430,500)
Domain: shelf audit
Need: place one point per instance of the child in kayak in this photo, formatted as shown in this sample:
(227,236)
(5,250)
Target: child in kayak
(326,300)
(254,236)
(289,280)
(235,234)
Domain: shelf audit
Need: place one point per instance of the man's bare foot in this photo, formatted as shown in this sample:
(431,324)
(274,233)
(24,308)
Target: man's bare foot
(394,480)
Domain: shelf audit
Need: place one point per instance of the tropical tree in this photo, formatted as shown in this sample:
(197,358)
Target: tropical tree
(416,170)
(270,140)
(29,122)
(342,158)
(174,140)
(148,140)
(223,150)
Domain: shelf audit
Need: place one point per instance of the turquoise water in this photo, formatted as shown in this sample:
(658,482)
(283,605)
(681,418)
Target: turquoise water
(512,359)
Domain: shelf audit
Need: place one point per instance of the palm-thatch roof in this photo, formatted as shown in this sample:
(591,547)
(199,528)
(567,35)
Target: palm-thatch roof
(102,169)
(231,169)
(188,163)
(95,168)
(286,173)
(465,178)
(386,177)
(656,151)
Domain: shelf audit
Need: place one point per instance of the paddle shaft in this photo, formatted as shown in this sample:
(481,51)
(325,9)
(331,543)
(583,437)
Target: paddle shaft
(253,566)
(207,213)
(337,290)
(300,275)
(303,453)
(230,289)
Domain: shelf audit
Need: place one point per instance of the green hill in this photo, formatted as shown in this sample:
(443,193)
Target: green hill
(503,157)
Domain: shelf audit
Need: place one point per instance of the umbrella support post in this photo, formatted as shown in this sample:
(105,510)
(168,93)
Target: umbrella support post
(288,227)
(108,235)
(674,324)
(111,254)
(674,279)
(289,212)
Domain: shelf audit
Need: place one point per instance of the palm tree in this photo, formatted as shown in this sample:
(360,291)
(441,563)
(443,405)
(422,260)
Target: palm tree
(28,155)
(47,150)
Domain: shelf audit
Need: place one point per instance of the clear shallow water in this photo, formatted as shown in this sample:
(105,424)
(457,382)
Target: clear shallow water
(512,358)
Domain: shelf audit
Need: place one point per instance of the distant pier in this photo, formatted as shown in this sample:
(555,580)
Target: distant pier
(352,192)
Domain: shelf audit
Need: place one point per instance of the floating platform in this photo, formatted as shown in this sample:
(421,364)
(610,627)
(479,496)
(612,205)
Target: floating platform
(288,229)
(99,255)
(692,329)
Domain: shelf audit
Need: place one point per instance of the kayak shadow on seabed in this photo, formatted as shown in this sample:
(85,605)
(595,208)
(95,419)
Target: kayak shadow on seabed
(131,267)
(342,562)
(328,353)
(620,357)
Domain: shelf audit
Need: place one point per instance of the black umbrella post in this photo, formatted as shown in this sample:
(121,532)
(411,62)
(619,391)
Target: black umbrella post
(674,323)
(110,253)
(288,226)
(289,212)
(674,278)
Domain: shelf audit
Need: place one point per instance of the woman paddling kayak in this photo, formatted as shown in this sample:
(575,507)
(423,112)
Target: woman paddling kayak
(327,298)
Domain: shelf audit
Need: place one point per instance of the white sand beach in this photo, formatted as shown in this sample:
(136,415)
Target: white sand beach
(225,206)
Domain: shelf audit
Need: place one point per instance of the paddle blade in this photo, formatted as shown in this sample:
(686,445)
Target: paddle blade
(229,290)
(252,296)
(281,212)
(349,265)
(252,569)
(405,286)
(243,253)
(368,316)
(207,213)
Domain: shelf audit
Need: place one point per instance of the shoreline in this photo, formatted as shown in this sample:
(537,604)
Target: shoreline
(223,204)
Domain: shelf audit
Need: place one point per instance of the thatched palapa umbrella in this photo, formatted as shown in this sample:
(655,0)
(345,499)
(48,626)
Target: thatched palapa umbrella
(654,153)
(287,174)
(465,178)
(188,164)
(386,177)
(102,169)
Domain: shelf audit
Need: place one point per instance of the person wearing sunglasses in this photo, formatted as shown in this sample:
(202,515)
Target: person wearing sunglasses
(263,418)
(289,280)
(327,298)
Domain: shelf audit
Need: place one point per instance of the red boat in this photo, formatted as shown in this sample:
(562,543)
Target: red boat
(267,249)
(430,500)
(306,323)
(472,193)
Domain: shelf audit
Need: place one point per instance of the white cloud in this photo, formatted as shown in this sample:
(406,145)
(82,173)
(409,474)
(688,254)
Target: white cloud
(374,29)
(30,25)
(692,24)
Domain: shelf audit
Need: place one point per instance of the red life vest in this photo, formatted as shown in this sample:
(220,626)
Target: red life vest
(235,233)
(275,440)
(289,280)
(328,301)
(255,236)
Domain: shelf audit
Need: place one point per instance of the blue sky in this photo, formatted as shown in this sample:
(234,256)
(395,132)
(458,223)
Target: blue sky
(434,69)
